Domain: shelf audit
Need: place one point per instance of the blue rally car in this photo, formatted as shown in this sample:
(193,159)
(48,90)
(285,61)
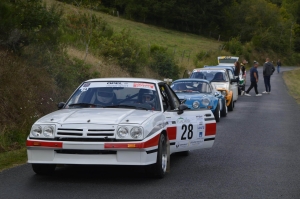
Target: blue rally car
(200,94)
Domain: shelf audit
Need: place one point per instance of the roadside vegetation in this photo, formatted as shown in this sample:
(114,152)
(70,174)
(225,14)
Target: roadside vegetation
(48,47)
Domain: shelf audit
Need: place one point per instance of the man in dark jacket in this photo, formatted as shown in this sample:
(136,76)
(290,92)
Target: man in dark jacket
(253,80)
(268,70)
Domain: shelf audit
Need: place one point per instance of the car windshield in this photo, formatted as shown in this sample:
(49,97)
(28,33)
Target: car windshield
(193,87)
(132,95)
(210,75)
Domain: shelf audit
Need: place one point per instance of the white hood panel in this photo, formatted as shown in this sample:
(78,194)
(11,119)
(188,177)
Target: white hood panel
(98,116)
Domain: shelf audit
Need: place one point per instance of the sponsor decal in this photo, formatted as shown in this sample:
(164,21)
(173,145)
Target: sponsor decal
(143,85)
(182,120)
(117,84)
(182,145)
(86,84)
(83,89)
(200,127)
(199,117)
(196,142)
(200,134)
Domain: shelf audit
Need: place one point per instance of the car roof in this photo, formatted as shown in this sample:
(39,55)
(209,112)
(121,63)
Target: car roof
(211,68)
(192,79)
(125,79)
(219,66)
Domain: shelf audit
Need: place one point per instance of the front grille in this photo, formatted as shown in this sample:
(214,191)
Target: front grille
(86,152)
(88,131)
(86,139)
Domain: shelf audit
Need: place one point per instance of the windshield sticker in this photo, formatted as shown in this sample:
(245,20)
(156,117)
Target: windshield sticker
(144,85)
(83,89)
(117,84)
(86,84)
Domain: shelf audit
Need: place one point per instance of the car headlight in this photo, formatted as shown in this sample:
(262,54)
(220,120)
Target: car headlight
(223,93)
(122,132)
(205,101)
(36,131)
(196,104)
(136,132)
(48,131)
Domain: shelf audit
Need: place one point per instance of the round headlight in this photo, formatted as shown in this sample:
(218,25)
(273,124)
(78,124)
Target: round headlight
(196,104)
(205,101)
(122,132)
(136,132)
(48,131)
(223,93)
(36,131)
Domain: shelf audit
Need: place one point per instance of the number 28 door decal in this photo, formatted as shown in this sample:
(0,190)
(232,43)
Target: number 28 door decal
(190,132)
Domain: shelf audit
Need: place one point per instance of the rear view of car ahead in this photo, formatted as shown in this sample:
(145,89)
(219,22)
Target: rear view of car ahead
(119,121)
(200,94)
(220,80)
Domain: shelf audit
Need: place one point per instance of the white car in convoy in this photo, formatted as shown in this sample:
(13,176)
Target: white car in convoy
(119,121)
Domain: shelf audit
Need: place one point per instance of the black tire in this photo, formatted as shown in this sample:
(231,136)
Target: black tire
(217,113)
(43,169)
(230,107)
(224,110)
(158,170)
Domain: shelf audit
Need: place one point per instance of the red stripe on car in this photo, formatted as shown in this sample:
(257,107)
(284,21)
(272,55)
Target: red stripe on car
(210,129)
(172,132)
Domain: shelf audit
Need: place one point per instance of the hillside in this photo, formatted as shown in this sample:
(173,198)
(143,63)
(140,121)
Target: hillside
(185,46)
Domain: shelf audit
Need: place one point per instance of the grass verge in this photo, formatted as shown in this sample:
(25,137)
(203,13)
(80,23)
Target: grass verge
(12,158)
(292,80)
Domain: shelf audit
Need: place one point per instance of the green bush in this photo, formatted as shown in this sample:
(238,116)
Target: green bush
(163,62)
(234,46)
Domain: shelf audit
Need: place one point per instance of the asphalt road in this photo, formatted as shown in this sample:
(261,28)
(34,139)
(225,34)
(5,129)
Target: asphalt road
(256,155)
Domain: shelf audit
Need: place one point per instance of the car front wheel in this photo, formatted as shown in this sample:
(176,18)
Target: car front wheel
(159,169)
(230,107)
(217,113)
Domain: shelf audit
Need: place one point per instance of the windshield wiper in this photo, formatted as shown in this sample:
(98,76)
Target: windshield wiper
(83,105)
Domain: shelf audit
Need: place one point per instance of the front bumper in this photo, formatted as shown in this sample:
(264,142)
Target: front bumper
(92,153)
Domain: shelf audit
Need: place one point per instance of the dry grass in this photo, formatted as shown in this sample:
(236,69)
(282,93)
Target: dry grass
(184,45)
(292,80)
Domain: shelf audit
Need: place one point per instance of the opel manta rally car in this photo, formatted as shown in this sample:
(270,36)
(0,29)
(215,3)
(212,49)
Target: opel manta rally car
(220,79)
(119,121)
(200,94)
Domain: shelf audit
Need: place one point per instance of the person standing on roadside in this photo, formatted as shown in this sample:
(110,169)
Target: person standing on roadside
(237,68)
(243,67)
(253,80)
(278,65)
(268,70)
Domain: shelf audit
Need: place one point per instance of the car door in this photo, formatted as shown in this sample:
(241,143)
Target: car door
(187,130)
(233,85)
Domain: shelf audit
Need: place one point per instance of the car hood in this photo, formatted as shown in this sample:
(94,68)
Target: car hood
(97,115)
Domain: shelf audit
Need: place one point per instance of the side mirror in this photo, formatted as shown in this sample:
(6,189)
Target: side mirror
(217,94)
(61,105)
(181,108)
(183,101)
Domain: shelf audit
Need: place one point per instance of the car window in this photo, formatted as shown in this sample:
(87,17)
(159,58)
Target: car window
(191,87)
(139,95)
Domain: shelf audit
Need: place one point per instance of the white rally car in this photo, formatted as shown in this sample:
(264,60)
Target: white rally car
(119,121)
